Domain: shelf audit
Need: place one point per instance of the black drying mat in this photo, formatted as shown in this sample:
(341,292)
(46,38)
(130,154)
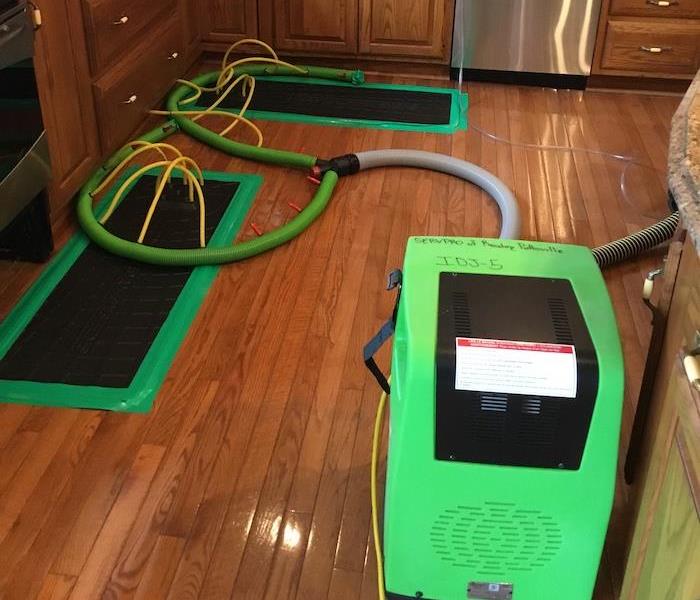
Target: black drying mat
(343,102)
(98,323)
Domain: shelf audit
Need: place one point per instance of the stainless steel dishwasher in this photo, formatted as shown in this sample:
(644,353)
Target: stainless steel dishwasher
(543,42)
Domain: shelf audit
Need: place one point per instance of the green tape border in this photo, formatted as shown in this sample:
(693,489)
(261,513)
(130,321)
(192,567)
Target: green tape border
(458,108)
(139,396)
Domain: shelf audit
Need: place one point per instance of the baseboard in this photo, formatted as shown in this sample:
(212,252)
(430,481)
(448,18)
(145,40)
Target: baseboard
(550,80)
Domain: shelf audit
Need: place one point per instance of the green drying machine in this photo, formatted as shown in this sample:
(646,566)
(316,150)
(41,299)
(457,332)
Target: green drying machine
(506,399)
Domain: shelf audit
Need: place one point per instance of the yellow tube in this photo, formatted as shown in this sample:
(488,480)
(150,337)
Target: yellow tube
(223,97)
(144,147)
(124,186)
(134,176)
(244,108)
(200,194)
(221,113)
(376,443)
(245,78)
(227,73)
(232,47)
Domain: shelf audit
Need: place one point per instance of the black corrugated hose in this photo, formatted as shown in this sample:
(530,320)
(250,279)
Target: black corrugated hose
(635,244)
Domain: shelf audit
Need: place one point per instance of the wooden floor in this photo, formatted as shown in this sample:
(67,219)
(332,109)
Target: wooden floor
(250,476)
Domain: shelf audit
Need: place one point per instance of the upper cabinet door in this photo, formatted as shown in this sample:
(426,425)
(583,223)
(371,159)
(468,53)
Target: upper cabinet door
(229,20)
(415,28)
(315,25)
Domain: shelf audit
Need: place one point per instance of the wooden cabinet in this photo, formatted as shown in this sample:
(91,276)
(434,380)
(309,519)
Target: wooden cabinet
(315,25)
(648,38)
(665,551)
(228,20)
(125,95)
(414,28)
(92,105)
(684,9)
(191,27)
(114,27)
(669,47)
(63,80)
(419,30)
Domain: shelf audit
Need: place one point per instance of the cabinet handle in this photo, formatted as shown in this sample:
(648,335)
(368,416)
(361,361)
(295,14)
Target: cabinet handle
(174,56)
(649,283)
(123,21)
(662,3)
(691,363)
(655,49)
(692,370)
(133,98)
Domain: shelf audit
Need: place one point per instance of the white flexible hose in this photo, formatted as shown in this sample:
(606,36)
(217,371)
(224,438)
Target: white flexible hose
(492,185)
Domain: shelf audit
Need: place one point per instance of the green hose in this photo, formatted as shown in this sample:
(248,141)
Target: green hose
(267,155)
(212,256)
(200,256)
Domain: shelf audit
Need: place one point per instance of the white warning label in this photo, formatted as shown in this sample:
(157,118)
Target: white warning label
(511,367)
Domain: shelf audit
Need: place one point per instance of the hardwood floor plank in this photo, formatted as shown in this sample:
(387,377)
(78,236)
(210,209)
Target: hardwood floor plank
(158,575)
(13,454)
(20,567)
(318,568)
(284,571)
(11,417)
(75,517)
(143,535)
(97,484)
(22,485)
(56,587)
(345,585)
(104,552)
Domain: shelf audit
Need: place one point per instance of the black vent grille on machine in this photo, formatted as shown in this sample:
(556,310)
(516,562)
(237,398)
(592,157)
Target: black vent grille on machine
(495,538)
(560,321)
(462,314)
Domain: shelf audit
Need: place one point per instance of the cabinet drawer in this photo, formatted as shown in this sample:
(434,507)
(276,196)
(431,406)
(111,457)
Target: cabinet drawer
(656,8)
(113,27)
(652,46)
(125,95)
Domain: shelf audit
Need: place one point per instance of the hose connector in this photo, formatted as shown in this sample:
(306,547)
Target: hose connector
(357,77)
(347,164)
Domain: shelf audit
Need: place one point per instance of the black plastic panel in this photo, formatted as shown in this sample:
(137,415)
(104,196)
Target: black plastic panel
(344,102)
(99,322)
(502,428)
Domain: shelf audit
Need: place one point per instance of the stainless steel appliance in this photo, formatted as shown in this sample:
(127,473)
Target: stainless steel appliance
(25,231)
(525,41)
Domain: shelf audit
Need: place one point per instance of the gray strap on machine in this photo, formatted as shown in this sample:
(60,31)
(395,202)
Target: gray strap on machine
(384,333)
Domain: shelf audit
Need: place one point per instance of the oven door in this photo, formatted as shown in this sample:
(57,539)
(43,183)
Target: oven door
(24,158)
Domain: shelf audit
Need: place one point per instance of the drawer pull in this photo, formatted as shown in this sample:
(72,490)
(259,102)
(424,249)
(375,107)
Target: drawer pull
(649,283)
(692,370)
(691,362)
(655,49)
(174,56)
(133,98)
(123,21)
(662,3)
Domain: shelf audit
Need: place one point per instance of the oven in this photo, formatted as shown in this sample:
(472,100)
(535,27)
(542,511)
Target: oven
(25,231)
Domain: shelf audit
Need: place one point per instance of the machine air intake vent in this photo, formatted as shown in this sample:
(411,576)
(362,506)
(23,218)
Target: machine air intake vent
(493,402)
(495,538)
(560,321)
(462,314)
(531,406)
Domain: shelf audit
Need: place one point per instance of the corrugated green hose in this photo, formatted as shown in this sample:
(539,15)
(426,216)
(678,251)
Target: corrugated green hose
(268,155)
(210,256)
